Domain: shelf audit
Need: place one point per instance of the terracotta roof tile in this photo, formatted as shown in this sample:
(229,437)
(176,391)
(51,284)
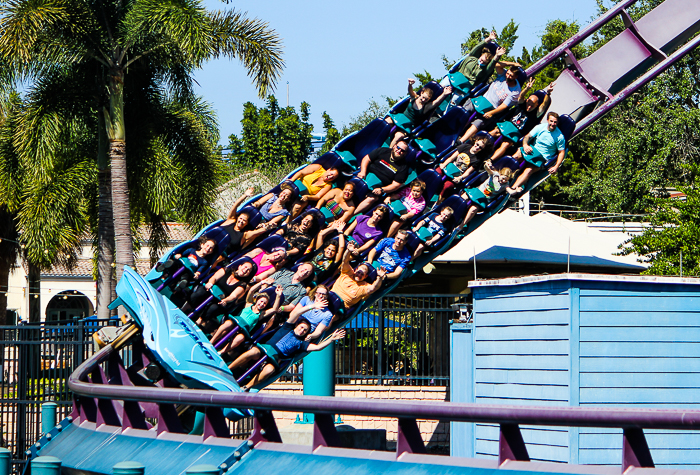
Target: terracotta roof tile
(83,268)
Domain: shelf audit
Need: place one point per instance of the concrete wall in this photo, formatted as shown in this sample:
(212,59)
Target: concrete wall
(434,433)
(578,340)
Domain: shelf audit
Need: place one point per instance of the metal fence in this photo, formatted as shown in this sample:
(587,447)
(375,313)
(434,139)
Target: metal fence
(401,339)
(36,360)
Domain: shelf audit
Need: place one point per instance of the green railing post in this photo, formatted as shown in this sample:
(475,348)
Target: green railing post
(5,461)
(128,468)
(203,470)
(46,465)
(48,416)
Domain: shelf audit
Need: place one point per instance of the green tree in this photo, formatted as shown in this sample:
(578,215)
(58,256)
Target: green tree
(675,232)
(272,136)
(105,45)
(374,109)
(47,203)
(332,134)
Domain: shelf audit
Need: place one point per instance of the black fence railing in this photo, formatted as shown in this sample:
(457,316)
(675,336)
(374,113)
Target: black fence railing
(36,360)
(402,340)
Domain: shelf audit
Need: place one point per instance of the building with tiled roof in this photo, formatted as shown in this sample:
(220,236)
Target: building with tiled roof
(69,292)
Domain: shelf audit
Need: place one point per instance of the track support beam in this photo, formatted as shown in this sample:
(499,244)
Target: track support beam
(511,445)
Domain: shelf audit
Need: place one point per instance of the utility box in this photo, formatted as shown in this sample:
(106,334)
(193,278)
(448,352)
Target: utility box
(580,340)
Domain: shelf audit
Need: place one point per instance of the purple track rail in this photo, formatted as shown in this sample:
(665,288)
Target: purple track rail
(92,398)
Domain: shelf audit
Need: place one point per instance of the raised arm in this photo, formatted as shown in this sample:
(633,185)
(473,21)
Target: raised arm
(476,51)
(446,91)
(381,275)
(278,301)
(547,99)
(337,335)
(253,290)
(233,212)
(411,92)
(524,92)
(341,248)
(496,60)
(507,64)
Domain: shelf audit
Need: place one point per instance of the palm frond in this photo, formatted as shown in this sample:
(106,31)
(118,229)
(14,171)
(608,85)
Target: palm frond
(182,23)
(253,43)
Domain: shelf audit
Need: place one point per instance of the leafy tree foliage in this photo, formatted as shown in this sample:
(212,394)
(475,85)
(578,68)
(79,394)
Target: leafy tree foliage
(332,134)
(374,109)
(128,65)
(644,144)
(675,233)
(272,136)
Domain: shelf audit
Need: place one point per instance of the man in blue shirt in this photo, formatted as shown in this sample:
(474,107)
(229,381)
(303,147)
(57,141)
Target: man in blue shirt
(549,143)
(287,342)
(392,254)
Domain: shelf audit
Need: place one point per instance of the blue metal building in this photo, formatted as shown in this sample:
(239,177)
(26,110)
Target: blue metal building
(580,340)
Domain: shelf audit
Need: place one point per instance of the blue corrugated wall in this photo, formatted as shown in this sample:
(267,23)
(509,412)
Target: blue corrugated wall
(579,342)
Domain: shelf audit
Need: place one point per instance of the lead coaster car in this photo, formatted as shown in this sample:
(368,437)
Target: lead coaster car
(173,340)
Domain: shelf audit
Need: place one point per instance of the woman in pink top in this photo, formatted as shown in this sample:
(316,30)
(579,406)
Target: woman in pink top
(412,199)
(268,262)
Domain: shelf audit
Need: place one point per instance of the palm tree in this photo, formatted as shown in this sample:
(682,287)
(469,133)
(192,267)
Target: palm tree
(47,204)
(117,52)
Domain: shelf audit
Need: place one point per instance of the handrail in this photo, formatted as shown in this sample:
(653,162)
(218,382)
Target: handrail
(449,411)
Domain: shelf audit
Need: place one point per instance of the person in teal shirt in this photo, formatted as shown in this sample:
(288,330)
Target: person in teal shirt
(257,308)
(549,143)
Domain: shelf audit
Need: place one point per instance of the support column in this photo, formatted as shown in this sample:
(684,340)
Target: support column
(319,375)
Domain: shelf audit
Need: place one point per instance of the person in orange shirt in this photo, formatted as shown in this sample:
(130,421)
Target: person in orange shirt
(352,286)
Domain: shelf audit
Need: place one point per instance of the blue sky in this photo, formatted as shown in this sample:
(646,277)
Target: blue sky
(338,55)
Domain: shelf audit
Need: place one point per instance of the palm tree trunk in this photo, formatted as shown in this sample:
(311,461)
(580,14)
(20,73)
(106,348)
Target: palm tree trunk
(114,116)
(123,244)
(105,244)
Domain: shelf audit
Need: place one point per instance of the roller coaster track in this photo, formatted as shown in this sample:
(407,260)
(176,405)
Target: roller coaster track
(120,413)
